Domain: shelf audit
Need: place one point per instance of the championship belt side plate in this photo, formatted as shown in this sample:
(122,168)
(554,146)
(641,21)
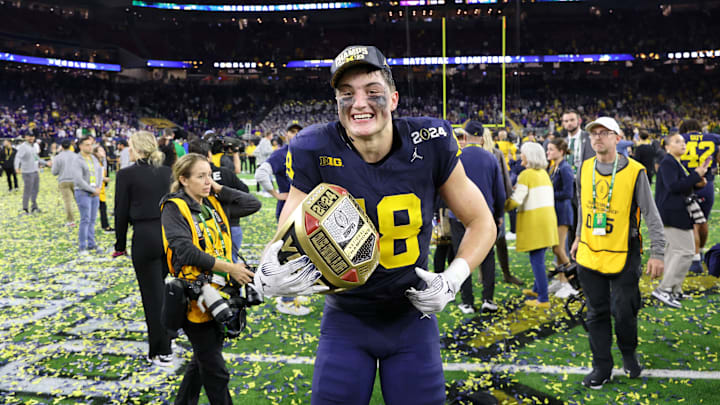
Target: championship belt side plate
(331,228)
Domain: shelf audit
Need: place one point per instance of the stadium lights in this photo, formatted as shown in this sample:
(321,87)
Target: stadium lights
(475,60)
(251,8)
(64,63)
(168,64)
(235,65)
(694,54)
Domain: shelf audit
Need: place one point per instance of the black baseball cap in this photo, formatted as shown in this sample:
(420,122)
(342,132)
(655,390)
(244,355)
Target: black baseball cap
(474,128)
(356,55)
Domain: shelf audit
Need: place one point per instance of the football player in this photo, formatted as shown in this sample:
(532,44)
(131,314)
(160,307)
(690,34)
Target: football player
(394,168)
(701,147)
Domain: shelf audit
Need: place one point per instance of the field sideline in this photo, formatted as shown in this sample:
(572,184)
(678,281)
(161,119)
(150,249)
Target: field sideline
(72,331)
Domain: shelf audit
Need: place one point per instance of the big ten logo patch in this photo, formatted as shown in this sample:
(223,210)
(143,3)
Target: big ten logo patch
(427,133)
(330,161)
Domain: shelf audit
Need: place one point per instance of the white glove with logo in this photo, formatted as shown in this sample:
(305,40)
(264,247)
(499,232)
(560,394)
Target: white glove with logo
(441,287)
(296,277)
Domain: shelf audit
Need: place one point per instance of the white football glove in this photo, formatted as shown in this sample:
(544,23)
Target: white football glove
(441,287)
(296,277)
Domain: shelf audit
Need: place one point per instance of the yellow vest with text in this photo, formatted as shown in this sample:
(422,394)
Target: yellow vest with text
(607,253)
(190,273)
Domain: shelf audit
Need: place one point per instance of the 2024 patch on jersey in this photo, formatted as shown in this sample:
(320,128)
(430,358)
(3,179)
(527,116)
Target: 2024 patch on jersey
(398,194)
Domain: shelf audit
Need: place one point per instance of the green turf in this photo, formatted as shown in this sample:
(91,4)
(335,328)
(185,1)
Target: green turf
(36,250)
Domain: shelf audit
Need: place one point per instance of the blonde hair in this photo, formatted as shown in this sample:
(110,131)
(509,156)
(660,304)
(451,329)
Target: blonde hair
(146,147)
(488,143)
(183,167)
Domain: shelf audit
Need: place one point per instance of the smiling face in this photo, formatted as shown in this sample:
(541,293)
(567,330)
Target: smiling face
(365,103)
(198,185)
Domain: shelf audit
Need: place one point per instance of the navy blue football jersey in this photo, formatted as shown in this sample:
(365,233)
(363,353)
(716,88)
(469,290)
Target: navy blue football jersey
(699,148)
(277,162)
(398,194)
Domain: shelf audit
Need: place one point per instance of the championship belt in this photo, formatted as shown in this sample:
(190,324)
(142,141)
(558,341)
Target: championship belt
(336,235)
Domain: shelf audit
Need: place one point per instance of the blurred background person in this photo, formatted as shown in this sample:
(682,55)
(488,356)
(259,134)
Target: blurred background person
(274,166)
(562,179)
(483,169)
(88,178)
(28,162)
(536,221)
(673,196)
(63,168)
(123,154)
(138,191)
(7,163)
(99,153)
(646,153)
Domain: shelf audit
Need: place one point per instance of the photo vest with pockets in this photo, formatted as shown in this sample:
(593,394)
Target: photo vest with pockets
(607,253)
(209,234)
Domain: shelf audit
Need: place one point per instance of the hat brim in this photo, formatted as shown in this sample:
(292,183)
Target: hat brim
(349,65)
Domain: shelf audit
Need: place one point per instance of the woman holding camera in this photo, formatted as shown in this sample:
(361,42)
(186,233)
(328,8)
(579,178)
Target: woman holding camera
(673,197)
(199,247)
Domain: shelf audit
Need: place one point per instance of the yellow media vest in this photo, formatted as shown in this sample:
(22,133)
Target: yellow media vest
(607,253)
(190,273)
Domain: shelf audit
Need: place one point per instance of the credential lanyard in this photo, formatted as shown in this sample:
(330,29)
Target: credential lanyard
(612,183)
(209,234)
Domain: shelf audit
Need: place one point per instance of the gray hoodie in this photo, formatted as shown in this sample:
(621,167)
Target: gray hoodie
(82,174)
(64,166)
(27,160)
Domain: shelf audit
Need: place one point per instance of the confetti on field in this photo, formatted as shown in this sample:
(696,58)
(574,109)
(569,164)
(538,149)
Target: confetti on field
(72,330)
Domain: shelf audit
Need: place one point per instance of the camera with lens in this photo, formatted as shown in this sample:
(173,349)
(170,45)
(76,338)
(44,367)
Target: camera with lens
(231,145)
(692,204)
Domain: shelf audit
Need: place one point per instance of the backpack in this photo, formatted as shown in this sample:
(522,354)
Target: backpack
(712,260)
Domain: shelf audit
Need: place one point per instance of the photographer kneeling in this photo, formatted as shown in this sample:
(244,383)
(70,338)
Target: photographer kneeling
(198,250)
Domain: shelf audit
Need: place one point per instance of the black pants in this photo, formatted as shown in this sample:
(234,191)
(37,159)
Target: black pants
(103,215)
(147,256)
(618,296)
(207,367)
(502,250)
(251,164)
(487,268)
(444,253)
(11,175)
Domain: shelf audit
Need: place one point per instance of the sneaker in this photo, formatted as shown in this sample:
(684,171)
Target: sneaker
(161,360)
(291,308)
(537,304)
(69,224)
(489,306)
(666,298)
(84,252)
(35,210)
(109,229)
(530,293)
(24,212)
(265,194)
(596,380)
(554,286)
(696,267)
(566,291)
(97,250)
(510,236)
(466,309)
(680,296)
(632,366)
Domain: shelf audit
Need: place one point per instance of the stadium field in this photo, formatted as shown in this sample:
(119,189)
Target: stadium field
(72,331)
